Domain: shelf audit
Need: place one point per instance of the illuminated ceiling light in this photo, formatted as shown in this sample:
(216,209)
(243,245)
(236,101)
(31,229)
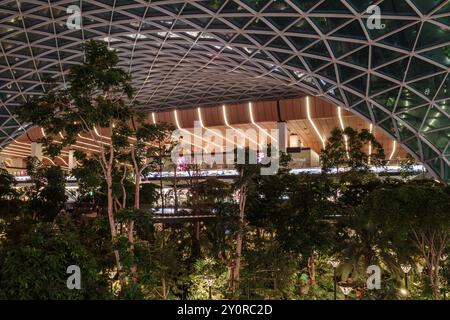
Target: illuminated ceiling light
(370,142)
(90,139)
(99,135)
(250,108)
(192,33)
(187,131)
(22,143)
(16,153)
(341,121)
(225,120)
(136,36)
(293,140)
(64,161)
(110,39)
(199,112)
(308,113)
(394,147)
(51,161)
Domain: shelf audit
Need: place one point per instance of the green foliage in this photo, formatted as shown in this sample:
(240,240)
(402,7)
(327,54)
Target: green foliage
(47,195)
(95,97)
(347,148)
(216,272)
(34,259)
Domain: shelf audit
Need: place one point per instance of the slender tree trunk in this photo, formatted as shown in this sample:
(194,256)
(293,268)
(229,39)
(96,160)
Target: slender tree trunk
(239,240)
(312,269)
(112,223)
(175,192)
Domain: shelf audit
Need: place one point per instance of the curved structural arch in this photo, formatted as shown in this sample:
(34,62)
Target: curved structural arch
(392,68)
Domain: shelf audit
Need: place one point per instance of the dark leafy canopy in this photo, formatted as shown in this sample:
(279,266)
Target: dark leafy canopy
(34,260)
(94,98)
(348,148)
(47,195)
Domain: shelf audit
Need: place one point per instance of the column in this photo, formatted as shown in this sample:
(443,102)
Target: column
(72,160)
(282,136)
(36,150)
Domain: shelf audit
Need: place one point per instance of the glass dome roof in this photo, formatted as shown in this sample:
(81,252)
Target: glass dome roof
(391,69)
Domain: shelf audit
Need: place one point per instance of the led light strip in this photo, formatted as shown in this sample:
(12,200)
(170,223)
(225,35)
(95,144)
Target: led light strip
(341,121)
(51,161)
(188,132)
(370,142)
(14,153)
(199,112)
(250,109)
(308,113)
(225,120)
(394,148)
(64,161)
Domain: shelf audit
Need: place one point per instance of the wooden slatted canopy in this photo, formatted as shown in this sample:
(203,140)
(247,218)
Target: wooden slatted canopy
(323,115)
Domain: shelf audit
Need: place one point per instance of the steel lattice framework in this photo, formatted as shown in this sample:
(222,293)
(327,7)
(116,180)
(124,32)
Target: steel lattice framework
(193,53)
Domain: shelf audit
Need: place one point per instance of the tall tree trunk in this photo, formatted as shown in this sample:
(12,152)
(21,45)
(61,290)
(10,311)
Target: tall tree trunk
(239,240)
(175,192)
(112,223)
(312,269)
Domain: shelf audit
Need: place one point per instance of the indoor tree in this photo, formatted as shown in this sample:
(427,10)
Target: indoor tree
(97,97)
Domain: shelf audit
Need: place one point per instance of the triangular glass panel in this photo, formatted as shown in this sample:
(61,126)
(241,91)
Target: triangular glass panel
(351,30)
(302,26)
(359,84)
(378,84)
(413,145)
(296,63)
(315,63)
(432,35)
(387,99)
(435,164)
(327,24)
(439,139)
(305,5)
(279,42)
(279,7)
(444,92)
(426,6)
(388,126)
(408,100)
(318,49)
(361,5)
(428,153)
(395,7)
(390,25)
(328,72)
(403,39)
(300,42)
(414,117)
(283,22)
(342,47)
(346,73)
(404,132)
(239,22)
(440,55)
(428,86)
(419,68)
(395,70)
(360,57)
(363,109)
(379,114)
(331,6)
(352,98)
(382,55)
